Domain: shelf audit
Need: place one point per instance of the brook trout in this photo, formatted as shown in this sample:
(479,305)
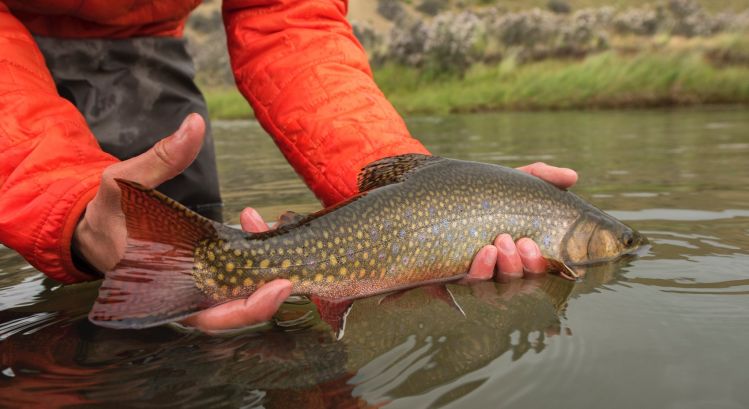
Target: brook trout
(419,219)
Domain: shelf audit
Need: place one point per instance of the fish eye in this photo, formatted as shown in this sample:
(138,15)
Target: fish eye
(627,238)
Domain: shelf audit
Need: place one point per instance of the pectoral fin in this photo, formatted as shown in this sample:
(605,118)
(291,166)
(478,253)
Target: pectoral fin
(565,271)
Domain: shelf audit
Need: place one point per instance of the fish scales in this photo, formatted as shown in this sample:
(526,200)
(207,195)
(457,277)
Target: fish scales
(420,219)
(426,228)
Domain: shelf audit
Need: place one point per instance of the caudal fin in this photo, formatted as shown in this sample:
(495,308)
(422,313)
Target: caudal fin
(153,283)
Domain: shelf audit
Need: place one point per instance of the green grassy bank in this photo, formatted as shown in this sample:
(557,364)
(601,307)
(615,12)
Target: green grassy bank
(226,103)
(677,75)
(606,80)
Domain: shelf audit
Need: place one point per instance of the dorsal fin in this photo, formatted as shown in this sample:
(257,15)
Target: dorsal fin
(393,169)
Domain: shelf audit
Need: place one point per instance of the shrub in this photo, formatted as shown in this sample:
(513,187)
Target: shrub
(642,22)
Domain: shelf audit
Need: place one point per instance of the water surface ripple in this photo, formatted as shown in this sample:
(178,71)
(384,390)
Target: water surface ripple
(664,330)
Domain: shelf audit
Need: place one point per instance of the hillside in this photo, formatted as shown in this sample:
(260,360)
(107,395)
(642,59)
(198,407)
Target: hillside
(432,43)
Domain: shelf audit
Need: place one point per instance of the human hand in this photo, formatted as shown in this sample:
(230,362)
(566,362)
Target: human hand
(521,258)
(101,235)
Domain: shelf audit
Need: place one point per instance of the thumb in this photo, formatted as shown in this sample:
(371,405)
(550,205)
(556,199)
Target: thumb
(100,236)
(165,160)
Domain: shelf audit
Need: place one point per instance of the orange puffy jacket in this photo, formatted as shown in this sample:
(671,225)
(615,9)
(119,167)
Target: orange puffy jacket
(296,62)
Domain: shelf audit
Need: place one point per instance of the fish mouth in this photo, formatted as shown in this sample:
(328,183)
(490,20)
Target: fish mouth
(638,244)
(637,239)
(580,269)
(639,249)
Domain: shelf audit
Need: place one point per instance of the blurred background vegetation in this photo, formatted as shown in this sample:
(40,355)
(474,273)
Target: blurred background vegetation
(438,56)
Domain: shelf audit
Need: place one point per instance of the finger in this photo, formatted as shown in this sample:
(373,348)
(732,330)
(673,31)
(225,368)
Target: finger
(165,160)
(509,264)
(560,177)
(258,307)
(251,221)
(482,266)
(533,262)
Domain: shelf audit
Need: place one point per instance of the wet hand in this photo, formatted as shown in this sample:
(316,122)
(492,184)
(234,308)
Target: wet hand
(101,235)
(522,258)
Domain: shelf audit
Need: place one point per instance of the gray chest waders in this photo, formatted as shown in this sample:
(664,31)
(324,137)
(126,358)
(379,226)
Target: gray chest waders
(134,92)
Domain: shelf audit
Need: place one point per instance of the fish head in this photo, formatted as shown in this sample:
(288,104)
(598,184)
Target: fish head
(597,236)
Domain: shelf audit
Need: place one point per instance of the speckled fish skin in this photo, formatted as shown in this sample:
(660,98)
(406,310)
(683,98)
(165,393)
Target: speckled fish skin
(425,227)
(421,219)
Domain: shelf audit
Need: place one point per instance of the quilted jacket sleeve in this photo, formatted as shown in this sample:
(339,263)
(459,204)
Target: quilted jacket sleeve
(309,82)
(50,163)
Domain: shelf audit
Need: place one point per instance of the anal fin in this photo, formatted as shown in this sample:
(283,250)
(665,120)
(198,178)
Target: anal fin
(333,312)
(442,293)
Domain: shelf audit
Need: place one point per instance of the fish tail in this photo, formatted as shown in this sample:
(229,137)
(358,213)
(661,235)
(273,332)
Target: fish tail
(153,283)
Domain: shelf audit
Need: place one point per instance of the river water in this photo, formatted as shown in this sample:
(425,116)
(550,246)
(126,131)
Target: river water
(667,329)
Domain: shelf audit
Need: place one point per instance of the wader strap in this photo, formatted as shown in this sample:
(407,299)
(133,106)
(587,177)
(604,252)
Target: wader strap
(134,92)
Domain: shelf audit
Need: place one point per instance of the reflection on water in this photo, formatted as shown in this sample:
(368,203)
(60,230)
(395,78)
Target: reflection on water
(667,329)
